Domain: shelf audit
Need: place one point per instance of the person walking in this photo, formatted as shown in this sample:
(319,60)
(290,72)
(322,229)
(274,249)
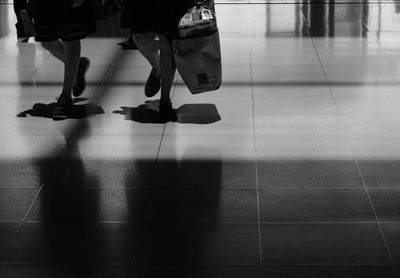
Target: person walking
(151,17)
(60,26)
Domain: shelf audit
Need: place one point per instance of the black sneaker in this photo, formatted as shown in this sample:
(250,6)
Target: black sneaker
(63,108)
(167,113)
(80,81)
(153,85)
(27,23)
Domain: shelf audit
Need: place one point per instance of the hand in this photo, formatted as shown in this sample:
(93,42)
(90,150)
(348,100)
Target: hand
(76,3)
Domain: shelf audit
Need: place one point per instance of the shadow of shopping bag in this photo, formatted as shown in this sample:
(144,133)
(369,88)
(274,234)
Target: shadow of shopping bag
(198,60)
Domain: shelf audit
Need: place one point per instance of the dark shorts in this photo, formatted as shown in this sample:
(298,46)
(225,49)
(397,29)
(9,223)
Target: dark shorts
(161,16)
(56,19)
(144,16)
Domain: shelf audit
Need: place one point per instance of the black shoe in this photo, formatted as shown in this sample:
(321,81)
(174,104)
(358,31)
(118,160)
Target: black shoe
(27,23)
(167,113)
(153,85)
(63,108)
(80,82)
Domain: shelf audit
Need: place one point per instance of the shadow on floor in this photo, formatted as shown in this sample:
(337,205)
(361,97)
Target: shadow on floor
(81,111)
(201,113)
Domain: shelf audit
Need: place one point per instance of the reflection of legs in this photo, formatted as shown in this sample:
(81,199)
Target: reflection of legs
(147,46)
(168,67)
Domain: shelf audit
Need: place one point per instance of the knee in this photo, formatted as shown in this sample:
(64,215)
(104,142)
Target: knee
(49,45)
(72,45)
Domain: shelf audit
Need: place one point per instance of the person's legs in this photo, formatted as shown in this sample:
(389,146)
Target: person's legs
(168,68)
(69,53)
(147,46)
(56,48)
(72,50)
(60,50)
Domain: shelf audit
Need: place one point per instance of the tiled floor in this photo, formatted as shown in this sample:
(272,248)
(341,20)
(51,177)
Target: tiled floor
(291,169)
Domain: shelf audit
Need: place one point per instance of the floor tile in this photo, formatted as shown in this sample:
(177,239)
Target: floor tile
(15,203)
(297,98)
(195,272)
(62,271)
(382,174)
(378,148)
(214,147)
(204,174)
(92,243)
(323,244)
(42,147)
(202,206)
(182,244)
(112,147)
(98,173)
(391,232)
(386,204)
(308,174)
(24,174)
(305,147)
(199,122)
(298,124)
(315,206)
(329,271)
(7,235)
(63,205)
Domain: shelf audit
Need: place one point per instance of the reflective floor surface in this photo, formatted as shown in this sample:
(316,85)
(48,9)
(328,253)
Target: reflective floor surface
(291,169)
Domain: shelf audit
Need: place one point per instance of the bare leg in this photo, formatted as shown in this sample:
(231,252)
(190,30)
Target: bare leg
(71,64)
(69,52)
(56,48)
(168,67)
(147,46)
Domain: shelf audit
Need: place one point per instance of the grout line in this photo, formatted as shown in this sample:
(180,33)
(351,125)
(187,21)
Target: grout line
(255,153)
(188,265)
(327,83)
(377,221)
(194,223)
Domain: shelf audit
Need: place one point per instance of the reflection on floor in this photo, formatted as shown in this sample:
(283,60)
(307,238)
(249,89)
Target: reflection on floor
(291,169)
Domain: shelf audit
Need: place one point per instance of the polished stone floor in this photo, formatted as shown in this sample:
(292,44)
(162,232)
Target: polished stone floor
(291,169)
